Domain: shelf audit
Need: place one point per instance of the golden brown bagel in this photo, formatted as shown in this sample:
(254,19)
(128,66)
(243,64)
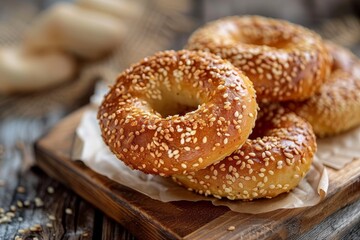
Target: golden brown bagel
(273,161)
(283,60)
(336,107)
(139,120)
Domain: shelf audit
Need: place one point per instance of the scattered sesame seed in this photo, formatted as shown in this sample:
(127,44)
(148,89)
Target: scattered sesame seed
(22,231)
(21,189)
(19,204)
(50,190)
(38,202)
(231,228)
(35,228)
(26,203)
(68,211)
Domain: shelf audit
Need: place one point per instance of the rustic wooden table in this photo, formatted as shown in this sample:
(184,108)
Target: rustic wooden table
(34,206)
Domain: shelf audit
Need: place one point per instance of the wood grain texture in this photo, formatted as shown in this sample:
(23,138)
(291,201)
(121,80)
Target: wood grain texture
(17,134)
(344,224)
(151,219)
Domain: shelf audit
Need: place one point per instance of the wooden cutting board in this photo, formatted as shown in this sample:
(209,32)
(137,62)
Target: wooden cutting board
(151,219)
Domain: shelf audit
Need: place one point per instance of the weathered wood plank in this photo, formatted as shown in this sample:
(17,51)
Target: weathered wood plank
(113,231)
(36,184)
(16,137)
(342,224)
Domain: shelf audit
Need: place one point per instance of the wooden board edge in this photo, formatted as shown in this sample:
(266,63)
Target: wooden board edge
(44,160)
(305,218)
(351,192)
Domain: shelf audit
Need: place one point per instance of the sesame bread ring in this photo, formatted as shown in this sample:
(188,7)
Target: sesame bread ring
(283,60)
(336,107)
(273,161)
(142,117)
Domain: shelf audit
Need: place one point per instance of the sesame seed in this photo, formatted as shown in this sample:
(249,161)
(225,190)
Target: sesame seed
(22,231)
(20,189)
(38,202)
(68,211)
(231,228)
(50,190)
(26,203)
(19,203)
(252,154)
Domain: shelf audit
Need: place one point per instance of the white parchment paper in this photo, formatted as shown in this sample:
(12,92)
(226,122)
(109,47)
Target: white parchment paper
(95,154)
(340,150)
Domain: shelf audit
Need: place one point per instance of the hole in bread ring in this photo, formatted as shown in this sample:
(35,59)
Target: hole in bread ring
(134,114)
(272,161)
(283,60)
(336,107)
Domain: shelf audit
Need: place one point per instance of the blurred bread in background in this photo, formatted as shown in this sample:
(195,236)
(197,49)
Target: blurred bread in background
(24,72)
(63,34)
(86,33)
(125,9)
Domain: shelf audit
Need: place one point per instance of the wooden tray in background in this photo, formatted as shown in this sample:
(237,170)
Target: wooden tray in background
(151,219)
